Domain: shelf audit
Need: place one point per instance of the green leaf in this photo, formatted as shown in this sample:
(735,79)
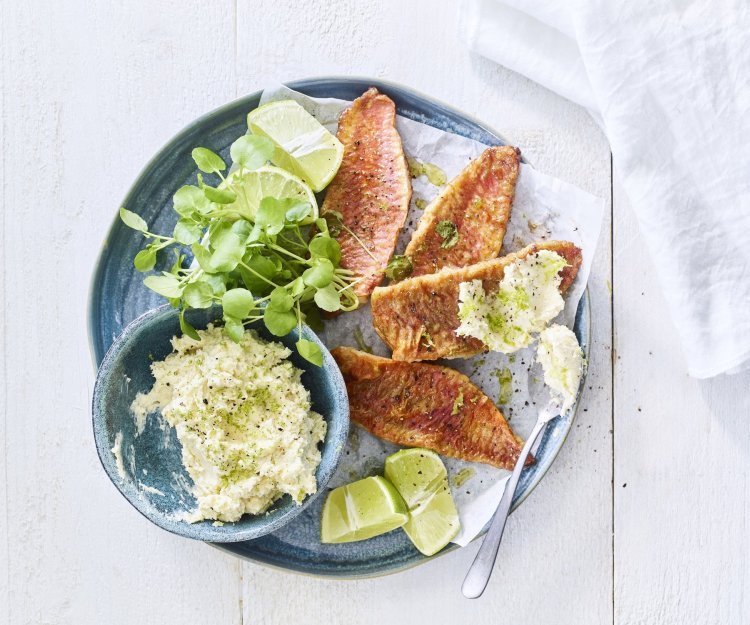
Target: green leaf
(448,232)
(297,287)
(145,259)
(187,232)
(323,246)
(234,328)
(334,221)
(237,303)
(228,250)
(242,228)
(328,299)
(320,275)
(399,268)
(217,282)
(187,328)
(198,295)
(190,199)
(277,263)
(322,225)
(279,323)
(255,234)
(310,351)
(203,258)
(263,266)
(271,215)
(166,285)
(280,300)
(177,264)
(252,151)
(131,220)
(208,161)
(217,233)
(298,210)
(220,196)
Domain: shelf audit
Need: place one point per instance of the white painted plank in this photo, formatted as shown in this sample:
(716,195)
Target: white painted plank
(91,91)
(682,462)
(558,545)
(4,380)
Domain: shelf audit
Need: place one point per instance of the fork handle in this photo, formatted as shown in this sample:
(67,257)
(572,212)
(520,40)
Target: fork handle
(481,569)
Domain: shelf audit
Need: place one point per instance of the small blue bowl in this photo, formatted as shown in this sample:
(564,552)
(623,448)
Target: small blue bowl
(149,472)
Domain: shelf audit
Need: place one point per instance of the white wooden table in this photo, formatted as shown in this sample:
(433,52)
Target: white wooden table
(644,518)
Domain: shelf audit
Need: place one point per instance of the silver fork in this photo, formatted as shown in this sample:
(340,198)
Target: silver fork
(481,569)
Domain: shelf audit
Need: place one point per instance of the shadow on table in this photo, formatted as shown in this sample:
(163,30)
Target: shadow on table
(728,399)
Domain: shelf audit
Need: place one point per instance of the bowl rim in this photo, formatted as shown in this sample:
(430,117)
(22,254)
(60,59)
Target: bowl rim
(337,427)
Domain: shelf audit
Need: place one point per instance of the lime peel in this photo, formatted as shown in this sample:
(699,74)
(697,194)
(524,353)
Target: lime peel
(268,181)
(361,510)
(422,480)
(303,145)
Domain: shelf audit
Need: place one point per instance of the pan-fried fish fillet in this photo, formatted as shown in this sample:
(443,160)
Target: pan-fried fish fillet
(372,188)
(424,405)
(477,203)
(418,317)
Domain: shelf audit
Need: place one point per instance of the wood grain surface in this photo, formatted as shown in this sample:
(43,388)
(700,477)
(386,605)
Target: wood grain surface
(644,517)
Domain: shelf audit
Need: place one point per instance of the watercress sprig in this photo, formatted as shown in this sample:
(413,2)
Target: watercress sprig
(265,266)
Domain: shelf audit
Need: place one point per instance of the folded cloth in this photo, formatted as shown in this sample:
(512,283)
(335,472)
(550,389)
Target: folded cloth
(669,81)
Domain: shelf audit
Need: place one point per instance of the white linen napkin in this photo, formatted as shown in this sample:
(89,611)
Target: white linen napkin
(669,82)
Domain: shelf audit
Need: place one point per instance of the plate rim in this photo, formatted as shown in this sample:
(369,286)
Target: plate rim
(319,80)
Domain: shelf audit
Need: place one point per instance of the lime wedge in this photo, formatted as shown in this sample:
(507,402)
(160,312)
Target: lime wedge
(421,479)
(303,145)
(268,181)
(361,510)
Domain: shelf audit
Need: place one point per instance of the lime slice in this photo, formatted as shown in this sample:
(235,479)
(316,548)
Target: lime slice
(303,145)
(361,510)
(421,479)
(268,181)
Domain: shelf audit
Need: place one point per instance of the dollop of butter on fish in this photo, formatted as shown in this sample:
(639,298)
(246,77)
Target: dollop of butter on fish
(526,300)
(562,360)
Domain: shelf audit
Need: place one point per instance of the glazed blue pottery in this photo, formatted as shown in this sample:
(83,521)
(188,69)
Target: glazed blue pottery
(149,472)
(118,296)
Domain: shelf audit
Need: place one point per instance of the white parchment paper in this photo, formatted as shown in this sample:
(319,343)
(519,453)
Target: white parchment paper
(544,208)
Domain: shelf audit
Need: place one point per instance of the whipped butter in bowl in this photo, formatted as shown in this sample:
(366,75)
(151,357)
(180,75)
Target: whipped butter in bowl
(216,439)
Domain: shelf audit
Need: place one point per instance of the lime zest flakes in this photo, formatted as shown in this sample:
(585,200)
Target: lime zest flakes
(463,476)
(447,231)
(458,403)
(426,341)
(360,340)
(433,173)
(505,382)
(399,268)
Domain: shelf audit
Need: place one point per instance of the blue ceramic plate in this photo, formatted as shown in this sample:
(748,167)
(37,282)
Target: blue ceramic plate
(118,296)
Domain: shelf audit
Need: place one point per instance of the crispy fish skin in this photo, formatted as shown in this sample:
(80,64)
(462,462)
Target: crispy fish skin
(371,189)
(425,405)
(478,201)
(418,317)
